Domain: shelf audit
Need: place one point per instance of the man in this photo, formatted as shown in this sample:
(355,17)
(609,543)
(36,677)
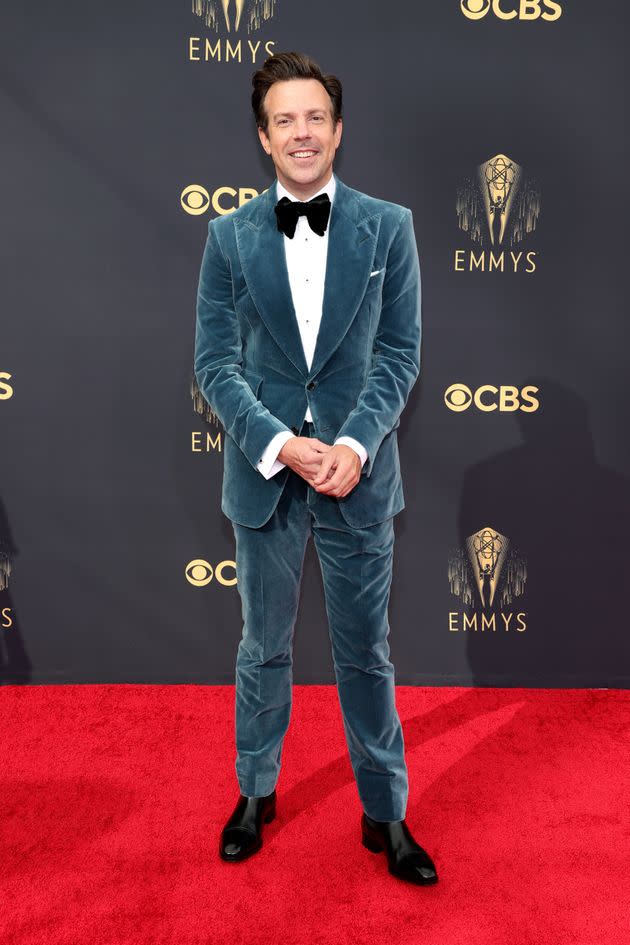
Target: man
(307,346)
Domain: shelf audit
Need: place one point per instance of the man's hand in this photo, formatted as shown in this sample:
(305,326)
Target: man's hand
(339,471)
(304,455)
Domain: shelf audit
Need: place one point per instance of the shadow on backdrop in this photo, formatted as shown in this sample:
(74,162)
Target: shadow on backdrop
(568,517)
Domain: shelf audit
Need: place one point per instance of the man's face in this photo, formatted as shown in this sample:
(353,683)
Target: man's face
(300,120)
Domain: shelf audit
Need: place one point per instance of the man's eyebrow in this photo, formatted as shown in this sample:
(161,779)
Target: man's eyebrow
(310,111)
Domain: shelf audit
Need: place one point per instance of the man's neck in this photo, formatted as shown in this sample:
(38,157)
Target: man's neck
(305,191)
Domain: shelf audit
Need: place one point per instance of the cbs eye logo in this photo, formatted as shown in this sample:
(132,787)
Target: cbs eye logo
(487,398)
(200,572)
(505,9)
(195,199)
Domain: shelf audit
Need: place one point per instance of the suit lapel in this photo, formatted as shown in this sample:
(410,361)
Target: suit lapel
(351,246)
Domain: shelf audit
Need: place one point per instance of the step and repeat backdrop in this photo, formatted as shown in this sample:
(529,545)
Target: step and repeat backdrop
(501,124)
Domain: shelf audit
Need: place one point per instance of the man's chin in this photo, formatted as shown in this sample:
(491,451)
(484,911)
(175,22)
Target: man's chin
(304,175)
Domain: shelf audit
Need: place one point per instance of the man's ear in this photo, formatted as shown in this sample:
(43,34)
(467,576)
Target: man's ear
(338,132)
(264,140)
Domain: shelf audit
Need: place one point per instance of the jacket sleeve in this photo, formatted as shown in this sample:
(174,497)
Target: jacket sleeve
(396,353)
(218,359)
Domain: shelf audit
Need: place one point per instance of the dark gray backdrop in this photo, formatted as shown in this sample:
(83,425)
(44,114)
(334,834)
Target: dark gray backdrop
(104,503)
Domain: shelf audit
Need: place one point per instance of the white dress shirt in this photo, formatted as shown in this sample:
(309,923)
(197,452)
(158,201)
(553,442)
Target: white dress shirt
(306,264)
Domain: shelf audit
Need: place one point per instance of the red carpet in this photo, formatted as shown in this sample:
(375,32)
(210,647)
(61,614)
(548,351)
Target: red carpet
(113,798)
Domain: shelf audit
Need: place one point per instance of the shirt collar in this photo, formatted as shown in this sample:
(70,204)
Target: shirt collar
(328,188)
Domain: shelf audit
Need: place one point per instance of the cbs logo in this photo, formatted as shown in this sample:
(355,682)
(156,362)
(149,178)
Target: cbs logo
(195,199)
(487,398)
(6,390)
(505,9)
(200,572)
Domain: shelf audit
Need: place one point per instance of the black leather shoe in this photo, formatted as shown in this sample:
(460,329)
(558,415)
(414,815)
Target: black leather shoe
(405,858)
(242,834)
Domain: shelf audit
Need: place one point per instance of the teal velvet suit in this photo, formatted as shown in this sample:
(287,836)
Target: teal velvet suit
(251,368)
(249,360)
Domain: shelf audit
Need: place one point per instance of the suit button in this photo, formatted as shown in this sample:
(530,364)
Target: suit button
(310,386)
(295,430)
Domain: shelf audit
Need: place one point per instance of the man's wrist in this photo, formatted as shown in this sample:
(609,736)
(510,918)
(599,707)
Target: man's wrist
(270,463)
(358,448)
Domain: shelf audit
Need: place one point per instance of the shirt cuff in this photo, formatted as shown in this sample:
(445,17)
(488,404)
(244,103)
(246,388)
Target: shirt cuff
(356,446)
(268,464)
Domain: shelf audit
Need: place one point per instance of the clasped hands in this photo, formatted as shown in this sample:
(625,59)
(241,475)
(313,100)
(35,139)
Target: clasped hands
(332,470)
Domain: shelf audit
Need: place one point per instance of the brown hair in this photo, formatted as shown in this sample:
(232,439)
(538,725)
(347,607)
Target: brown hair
(291,65)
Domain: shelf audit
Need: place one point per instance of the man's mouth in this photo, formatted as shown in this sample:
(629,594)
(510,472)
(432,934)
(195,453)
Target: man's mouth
(303,155)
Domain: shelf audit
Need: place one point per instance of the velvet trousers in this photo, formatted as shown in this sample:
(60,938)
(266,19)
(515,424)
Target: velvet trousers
(356,566)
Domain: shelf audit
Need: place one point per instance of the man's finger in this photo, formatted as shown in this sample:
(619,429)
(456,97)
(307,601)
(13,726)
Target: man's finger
(341,477)
(319,446)
(333,484)
(325,465)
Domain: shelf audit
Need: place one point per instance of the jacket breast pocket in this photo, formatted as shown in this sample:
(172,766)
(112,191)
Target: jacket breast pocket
(375,280)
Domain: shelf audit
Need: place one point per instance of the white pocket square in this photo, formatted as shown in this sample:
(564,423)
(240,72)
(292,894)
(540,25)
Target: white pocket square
(375,273)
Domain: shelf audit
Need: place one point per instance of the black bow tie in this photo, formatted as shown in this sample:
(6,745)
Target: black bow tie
(317,211)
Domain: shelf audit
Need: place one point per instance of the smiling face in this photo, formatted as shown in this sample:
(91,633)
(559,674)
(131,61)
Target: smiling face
(301,139)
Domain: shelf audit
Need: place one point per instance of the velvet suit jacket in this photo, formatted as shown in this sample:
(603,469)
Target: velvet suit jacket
(250,364)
